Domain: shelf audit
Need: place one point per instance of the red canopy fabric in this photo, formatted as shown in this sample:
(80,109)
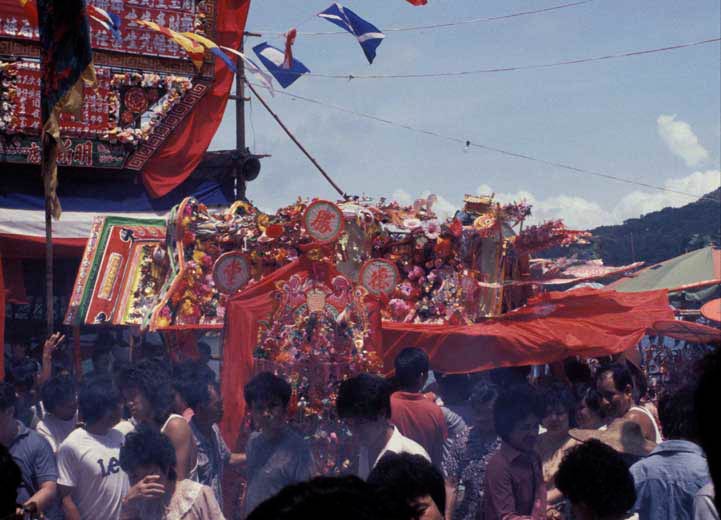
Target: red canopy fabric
(184,149)
(687,331)
(584,322)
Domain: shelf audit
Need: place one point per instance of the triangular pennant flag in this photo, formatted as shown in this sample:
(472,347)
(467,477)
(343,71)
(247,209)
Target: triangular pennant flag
(110,21)
(195,51)
(212,47)
(251,66)
(273,58)
(368,35)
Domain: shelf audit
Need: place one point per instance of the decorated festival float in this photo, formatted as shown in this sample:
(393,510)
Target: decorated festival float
(319,291)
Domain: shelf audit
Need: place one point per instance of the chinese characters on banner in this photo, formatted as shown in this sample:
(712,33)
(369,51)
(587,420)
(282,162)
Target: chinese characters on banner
(94,119)
(379,277)
(323,221)
(178,15)
(231,272)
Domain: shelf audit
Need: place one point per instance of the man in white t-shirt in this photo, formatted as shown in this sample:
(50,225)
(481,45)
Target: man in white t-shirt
(61,406)
(91,483)
(364,403)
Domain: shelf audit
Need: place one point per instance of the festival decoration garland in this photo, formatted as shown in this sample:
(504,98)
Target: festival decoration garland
(142,100)
(8,96)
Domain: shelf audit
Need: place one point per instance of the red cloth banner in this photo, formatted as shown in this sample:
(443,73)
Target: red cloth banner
(585,322)
(183,150)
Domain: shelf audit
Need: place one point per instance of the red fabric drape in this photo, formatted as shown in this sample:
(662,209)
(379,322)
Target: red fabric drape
(584,322)
(241,335)
(184,149)
(552,328)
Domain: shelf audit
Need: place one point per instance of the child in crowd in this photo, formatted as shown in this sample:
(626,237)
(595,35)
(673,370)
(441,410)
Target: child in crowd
(277,456)
(148,457)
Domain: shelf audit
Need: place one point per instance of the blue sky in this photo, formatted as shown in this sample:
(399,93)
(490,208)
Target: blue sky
(652,118)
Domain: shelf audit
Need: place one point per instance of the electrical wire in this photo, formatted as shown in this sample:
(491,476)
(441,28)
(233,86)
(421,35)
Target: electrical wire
(470,144)
(439,25)
(350,76)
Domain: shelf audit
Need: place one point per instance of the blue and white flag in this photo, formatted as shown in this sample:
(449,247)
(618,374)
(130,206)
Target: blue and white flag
(273,60)
(367,34)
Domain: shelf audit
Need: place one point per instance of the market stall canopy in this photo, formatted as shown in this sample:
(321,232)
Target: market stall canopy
(694,270)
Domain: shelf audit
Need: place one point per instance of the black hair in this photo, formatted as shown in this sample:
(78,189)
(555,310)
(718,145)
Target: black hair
(410,363)
(98,395)
(556,396)
(399,479)
(11,479)
(706,404)
(589,395)
(677,413)
(191,380)
(23,375)
(594,474)
(323,498)
(483,392)
(366,395)
(7,396)
(511,407)
(454,388)
(56,391)
(265,387)
(620,373)
(147,446)
(153,381)
(577,371)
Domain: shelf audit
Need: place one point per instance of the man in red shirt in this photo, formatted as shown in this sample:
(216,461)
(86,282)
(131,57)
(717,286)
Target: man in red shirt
(416,415)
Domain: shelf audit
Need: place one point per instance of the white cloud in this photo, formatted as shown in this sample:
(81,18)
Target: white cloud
(639,203)
(402,197)
(681,140)
(580,213)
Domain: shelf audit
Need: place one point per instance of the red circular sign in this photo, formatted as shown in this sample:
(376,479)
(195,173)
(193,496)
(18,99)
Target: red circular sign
(231,272)
(323,221)
(379,276)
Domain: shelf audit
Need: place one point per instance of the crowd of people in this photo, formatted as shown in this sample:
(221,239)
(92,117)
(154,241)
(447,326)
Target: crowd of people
(141,441)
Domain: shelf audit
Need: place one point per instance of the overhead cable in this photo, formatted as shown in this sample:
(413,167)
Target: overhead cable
(471,144)
(351,76)
(440,25)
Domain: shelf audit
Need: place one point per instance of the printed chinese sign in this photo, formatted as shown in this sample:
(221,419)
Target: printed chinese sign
(379,277)
(231,272)
(323,221)
(178,15)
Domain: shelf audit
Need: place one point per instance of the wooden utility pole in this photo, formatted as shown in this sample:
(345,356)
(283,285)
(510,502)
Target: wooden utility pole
(240,99)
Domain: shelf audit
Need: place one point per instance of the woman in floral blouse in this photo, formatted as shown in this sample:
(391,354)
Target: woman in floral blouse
(465,466)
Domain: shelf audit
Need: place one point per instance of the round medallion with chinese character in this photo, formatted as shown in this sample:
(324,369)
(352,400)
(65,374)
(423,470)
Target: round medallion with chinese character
(379,276)
(323,221)
(231,272)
